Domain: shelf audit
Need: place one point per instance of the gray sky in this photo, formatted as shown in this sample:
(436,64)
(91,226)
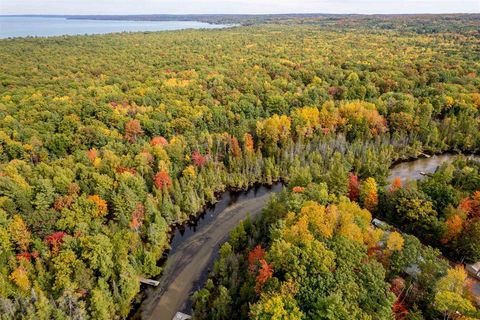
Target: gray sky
(235,6)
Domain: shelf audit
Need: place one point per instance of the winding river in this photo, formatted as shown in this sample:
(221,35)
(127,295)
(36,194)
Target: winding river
(194,246)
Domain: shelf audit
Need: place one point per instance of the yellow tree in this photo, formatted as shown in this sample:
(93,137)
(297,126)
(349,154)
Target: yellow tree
(372,237)
(298,233)
(452,293)
(19,233)
(306,120)
(274,129)
(454,227)
(354,222)
(322,223)
(276,307)
(100,204)
(455,281)
(395,242)
(347,226)
(351,231)
(20,277)
(369,194)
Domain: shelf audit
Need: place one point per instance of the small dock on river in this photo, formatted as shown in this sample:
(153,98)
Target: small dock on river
(150,282)
(181,316)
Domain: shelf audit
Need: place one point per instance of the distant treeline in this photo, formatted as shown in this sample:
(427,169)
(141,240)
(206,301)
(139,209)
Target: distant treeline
(419,23)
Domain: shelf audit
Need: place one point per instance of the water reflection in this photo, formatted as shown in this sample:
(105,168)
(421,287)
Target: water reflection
(227,199)
(412,170)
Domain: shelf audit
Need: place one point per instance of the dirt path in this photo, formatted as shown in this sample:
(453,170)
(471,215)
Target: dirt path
(185,267)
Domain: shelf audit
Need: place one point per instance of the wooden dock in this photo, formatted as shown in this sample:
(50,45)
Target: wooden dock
(150,282)
(181,316)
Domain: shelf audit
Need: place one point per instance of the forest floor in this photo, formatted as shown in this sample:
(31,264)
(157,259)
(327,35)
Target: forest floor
(188,264)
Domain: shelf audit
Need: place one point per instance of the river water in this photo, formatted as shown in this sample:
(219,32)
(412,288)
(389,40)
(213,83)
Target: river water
(194,246)
(412,170)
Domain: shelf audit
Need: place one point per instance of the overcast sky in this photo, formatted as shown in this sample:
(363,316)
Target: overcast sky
(235,6)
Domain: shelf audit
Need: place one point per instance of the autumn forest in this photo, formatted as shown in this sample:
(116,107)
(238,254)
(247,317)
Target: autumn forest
(108,142)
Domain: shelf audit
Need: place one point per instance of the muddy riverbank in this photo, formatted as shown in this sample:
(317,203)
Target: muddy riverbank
(193,249)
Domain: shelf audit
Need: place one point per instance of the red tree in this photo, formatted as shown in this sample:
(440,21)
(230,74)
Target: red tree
(62,202)
(396,184)
(476,204)
(92,154)
(132,171)
(399,310)
(398,284)
(158,141)
(24,256)
(298,189)
(249,144)
(471,205)
(265,273)
(162,180)
(335,92)
(55,240)
(254,256)
(198,159)
(133,130)
(454,227)
(465,205)
(353,187)
(137,216)
(235,147)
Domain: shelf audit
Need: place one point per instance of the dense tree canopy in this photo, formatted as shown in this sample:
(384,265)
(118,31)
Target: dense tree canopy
(327,261)
(108,141)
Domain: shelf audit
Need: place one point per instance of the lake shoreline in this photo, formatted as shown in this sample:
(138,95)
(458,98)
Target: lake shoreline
(28,27)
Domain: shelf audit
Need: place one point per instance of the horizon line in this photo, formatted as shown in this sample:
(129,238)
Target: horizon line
(230,14)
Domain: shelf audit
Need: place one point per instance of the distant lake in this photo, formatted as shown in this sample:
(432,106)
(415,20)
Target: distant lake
(47,26)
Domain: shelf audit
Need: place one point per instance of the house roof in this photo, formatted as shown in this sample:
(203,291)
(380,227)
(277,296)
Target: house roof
(476,266)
